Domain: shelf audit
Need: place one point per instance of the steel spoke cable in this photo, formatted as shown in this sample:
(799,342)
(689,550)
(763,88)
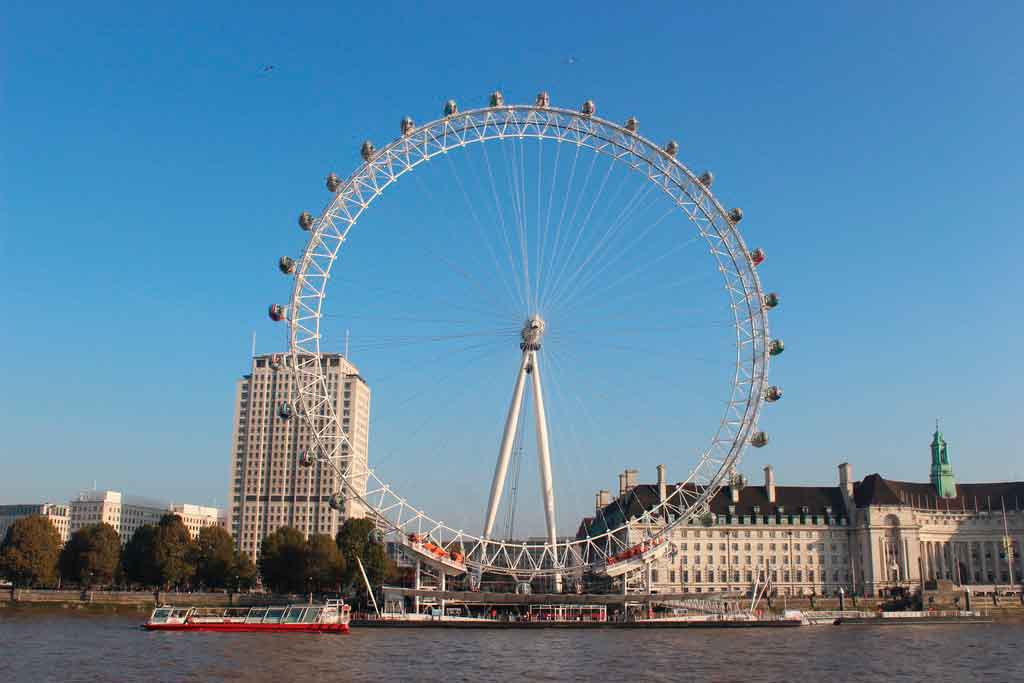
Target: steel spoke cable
(544,232)
(380,343)
(614,256)
(538,241)
(572,220)
(556,244)
(400,370)
(645,267)
(451,264)
(419,293)
(555,284)
(621,220)
(570,450)
(431,416)
(519,212)
(402,319)
(511,494)
(680,385)
(479,227)
(559,370)
(616,300)
(580,277)
(501,220)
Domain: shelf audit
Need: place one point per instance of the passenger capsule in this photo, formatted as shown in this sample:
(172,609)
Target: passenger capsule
(543,100)
(706,179)
(305,220)
(772,394)
(672,148)
(589,108)
(497,99)
(284,411)
(736,215)
(276,312)
(757,256)
(450,108)
(333,182)
(275,361)
(776,347)
(306,458)
(632,124)
(286,265)
(759,440)
(335,501)
(408,125)
(771,300)
(367,150)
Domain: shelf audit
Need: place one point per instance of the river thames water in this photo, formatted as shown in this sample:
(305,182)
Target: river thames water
(45,645)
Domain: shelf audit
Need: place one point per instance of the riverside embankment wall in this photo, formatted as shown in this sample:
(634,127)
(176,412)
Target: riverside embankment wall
(138,599)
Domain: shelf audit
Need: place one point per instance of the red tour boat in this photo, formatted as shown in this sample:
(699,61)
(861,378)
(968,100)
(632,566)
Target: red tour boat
(330,617)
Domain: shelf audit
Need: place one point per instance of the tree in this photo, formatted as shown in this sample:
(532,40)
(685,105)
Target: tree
(139,557)
(357,538)
(91,555)
(30,552)
(283,560)
(214,557)
(325,565)
(173,552)
(243,572)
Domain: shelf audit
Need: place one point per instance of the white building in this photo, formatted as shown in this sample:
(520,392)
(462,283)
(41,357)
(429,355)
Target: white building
(869,537)
(56,513)
(195,517)
(269,487)
(126,515)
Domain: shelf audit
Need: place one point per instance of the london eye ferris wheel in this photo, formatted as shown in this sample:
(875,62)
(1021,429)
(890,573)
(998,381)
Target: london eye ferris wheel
(584,223)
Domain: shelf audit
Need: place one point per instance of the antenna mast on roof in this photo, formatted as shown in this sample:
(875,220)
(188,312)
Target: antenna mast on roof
(346,344)
(254,343)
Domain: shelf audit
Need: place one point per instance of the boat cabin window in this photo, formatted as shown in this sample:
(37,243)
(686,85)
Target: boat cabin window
(311,616)
(178,614)
(160,615)
(293,616)
(275,613)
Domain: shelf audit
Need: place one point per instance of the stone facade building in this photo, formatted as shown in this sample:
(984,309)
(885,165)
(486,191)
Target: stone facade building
(269,487)
(867,538)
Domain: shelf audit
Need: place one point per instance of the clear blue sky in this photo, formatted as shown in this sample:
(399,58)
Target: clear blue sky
(151,174)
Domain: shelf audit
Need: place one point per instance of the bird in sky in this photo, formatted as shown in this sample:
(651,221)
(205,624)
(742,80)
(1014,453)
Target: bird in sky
(268,68)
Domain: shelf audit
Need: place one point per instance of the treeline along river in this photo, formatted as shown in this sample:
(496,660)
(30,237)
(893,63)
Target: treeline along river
(41,644)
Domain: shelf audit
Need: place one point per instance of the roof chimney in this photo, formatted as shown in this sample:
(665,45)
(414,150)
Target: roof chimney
(735,491)
(769,483)
(603,498)
(622,483)
(662,484)
(631,479)
(846,479)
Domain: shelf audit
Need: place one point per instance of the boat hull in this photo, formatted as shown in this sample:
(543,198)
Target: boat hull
(229,627)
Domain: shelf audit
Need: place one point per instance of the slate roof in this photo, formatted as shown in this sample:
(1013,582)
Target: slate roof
(874,489)
(877,490)
(788,500)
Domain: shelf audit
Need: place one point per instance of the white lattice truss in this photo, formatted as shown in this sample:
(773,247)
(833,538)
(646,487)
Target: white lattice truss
(393,512)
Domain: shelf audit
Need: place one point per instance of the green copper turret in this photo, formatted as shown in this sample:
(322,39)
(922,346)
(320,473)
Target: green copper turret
(942,471)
